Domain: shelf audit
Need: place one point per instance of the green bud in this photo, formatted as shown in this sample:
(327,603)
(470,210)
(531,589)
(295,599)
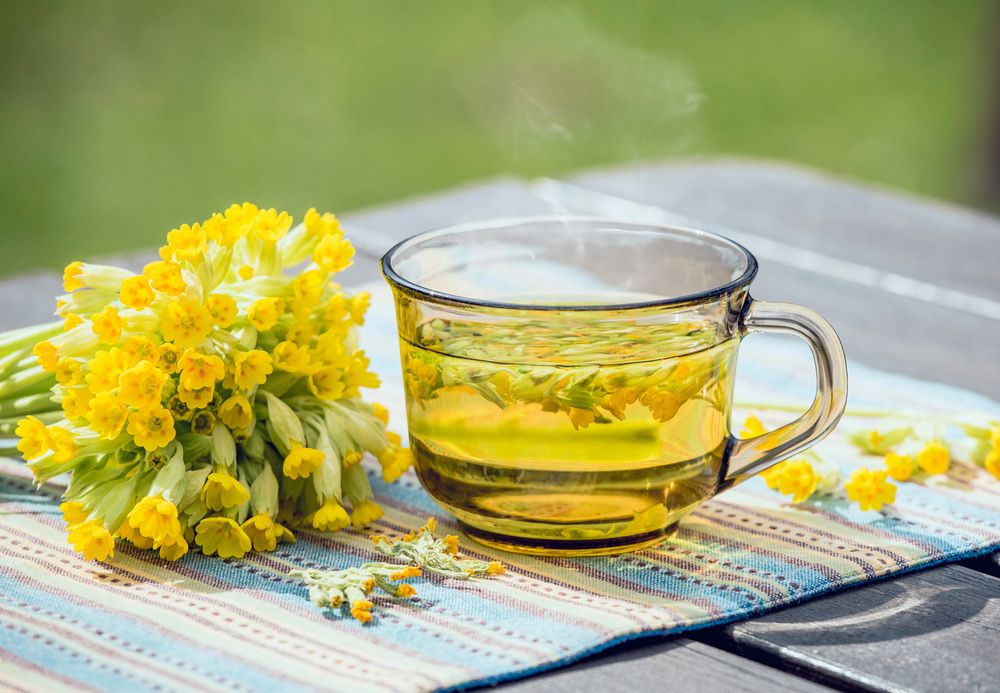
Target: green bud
(283,424)
(264,493)
(169,481)
(327,478)
(223,448)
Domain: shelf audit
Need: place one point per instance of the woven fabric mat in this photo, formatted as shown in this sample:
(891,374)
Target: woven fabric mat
(138,623)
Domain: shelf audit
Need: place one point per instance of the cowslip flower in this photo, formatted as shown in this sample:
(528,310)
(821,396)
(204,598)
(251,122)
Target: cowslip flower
(156,518)
(73,513)
(334,253)
(870,489)
(222,491)
(200,370)
(93,540)
(899,467)
(265,533)
(365,513)
(251,368)
(223,536)
(934,458)
(68,372)
(223,309)
(236,413)
(34,437)
(795,478)
(136,292)
(186,323)
(107,325)
(104,370)
(166,277)
(265,313)
(301,461)
(106,415)
(992,462)
(141,348)
(330,517)
(172,548)
(151,429)
(141,385)
(186,242)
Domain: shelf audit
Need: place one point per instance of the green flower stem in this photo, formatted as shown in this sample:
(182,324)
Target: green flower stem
(28,381)
(29,404)
(28,336)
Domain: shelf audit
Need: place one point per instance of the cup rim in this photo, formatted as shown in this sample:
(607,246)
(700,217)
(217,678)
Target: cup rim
(398,281)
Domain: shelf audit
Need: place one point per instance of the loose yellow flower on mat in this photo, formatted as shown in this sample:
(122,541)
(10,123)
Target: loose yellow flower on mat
(870,489)
(934,458)
(173,393)
(795,478)
(992,462)
(752,428)
(899,467)
(417,552)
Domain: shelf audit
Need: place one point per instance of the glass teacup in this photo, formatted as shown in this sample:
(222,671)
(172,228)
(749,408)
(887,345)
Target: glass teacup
(569,381)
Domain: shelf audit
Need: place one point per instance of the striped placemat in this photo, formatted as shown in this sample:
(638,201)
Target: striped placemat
(208,624)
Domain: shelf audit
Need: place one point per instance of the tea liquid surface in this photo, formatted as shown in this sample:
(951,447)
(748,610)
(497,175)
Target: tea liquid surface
(539,444)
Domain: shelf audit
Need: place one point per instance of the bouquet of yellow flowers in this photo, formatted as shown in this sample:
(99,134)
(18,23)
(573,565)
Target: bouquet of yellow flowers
(212,399)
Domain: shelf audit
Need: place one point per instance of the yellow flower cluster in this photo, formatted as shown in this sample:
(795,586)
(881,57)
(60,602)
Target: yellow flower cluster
(209,398)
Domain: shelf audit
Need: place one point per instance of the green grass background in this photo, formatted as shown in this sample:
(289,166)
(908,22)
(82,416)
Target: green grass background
(119,120)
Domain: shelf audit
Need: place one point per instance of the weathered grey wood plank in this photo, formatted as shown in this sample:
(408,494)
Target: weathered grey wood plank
(930,631)
(677,664)
(913,236)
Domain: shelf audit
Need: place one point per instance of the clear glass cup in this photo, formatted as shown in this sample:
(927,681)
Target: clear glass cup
(569,381)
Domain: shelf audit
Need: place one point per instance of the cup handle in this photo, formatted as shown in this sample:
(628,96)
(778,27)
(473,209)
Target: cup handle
(749,456)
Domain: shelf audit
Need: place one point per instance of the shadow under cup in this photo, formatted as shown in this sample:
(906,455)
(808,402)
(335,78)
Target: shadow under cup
(569,381)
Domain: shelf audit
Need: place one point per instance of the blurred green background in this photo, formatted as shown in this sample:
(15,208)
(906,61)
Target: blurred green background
(120,120)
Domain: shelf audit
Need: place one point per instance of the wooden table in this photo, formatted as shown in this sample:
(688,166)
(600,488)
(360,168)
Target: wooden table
(912,285)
